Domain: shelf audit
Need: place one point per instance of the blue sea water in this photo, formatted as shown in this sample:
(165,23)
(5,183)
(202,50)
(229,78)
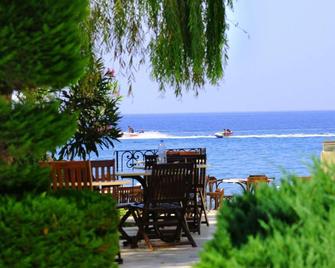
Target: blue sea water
(270,143)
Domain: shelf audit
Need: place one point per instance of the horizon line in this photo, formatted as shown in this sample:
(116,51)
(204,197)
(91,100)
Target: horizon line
(221,112)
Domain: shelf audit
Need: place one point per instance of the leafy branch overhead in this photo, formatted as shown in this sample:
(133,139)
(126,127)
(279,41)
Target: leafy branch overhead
(185,39)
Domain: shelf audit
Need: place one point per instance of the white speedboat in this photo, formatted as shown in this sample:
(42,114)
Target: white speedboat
(130,134)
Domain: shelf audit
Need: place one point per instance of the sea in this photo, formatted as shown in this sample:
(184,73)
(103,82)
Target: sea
(270,143)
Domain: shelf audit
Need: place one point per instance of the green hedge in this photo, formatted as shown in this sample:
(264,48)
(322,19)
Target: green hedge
(27,131)
(66,229)
(293,226)
(41,43)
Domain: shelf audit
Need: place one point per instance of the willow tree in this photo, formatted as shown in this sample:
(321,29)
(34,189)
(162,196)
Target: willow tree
(185,40)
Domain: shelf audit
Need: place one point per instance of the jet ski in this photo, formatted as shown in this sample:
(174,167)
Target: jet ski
(225,133)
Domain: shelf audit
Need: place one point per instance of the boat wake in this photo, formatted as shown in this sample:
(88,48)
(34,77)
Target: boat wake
(160,135)
(281,136)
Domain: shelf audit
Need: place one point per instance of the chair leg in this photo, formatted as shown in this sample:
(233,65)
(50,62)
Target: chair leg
(130,240)
(217,203)
(185,228)
(119,259)
(203,209)
(141,229)
(124,235)
(197,214)
(178,230)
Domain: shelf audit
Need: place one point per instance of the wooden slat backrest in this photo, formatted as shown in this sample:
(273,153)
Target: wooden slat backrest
(197,159)
(169,183)
(212,183)
(71,175)
(103,170)
(182,153)
(130,194)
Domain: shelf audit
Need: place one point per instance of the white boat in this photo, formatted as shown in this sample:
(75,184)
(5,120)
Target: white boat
(130,134)
(223,134)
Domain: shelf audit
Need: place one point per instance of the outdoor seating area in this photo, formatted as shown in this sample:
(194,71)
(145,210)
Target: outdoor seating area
(167,203)
(167,134)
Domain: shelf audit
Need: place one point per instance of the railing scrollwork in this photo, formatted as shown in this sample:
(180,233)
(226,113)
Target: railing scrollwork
(127,159)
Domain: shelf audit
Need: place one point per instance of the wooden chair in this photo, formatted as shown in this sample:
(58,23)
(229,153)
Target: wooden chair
(104,170)
(71,175)
(197,204)
(130,194)
(254,180)
(214,193)
(78,175)
(167,194)
(127,197)
(181,153)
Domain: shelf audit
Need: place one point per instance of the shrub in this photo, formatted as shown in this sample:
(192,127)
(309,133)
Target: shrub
(292,226)
(41,43)
(94,99)
(68,229)
(27,132)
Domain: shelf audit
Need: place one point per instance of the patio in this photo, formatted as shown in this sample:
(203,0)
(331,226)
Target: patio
(171,256)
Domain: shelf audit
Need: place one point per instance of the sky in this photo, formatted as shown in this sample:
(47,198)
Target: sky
(287,64)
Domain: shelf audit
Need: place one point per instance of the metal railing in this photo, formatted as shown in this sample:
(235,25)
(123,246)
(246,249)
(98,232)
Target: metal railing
(127,159)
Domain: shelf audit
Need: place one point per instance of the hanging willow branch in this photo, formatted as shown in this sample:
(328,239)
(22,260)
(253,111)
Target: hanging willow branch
(185,40)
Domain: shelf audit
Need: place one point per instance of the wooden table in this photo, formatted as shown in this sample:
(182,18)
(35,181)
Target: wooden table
(240,181)
(143,167)
(110,183)
(136,175)
(102,183)
(131,173)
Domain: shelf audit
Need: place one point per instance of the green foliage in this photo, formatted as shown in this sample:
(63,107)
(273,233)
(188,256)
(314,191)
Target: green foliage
(27,132)
(185,39)
(292,226)
(41,43)
(73,229)
(95,99)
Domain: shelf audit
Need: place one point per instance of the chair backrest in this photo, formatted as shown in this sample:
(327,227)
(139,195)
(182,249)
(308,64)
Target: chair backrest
(130,194)
(169,183)
(182,153)
(211,183)
(71,175)
(103,170)
(149,161)
(196,159)
(254,180)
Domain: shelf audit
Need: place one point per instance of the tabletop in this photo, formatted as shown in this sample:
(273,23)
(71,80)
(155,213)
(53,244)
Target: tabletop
(143,167)
(133,173)
(234,180)
(239,180)
(110,183)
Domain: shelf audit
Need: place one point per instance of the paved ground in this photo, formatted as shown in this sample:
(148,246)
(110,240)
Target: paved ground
(176,256)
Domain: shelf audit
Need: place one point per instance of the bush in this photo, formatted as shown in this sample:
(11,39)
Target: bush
(67,229)
(27,132)
(292,226)
(41,43)
(94,98)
